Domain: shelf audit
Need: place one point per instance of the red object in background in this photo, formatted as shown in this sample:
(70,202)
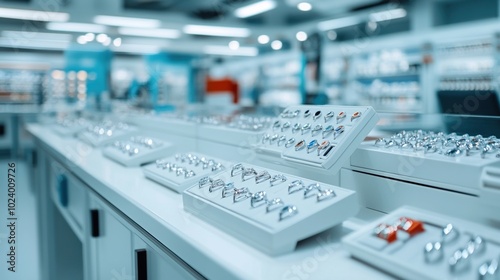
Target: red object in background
(411,226)
(223,86)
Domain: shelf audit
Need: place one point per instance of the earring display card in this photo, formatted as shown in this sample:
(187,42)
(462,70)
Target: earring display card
(420,156)
(181,171)
(416,244)
(268,209)
(105,133)
(322,136)
(137,150)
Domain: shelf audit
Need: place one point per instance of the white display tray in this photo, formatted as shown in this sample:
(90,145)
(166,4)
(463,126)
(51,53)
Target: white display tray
(144,156)
(67,131)
(265,230)
(341,145)
(406,259)
(170,179)
(462,174)
(98,141)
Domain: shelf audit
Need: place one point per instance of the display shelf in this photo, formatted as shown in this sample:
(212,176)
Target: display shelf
(268,209)
(137,150)
(417,244)
(320,136)
(181,171)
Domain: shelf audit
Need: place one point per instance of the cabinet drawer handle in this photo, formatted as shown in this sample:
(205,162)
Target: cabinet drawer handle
(141,259)
(62,190)
(94,223)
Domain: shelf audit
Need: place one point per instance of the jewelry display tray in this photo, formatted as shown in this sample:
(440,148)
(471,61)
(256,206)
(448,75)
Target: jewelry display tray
(68,131)
(344,145)
(176,183)
(95,141)
(265,231)
(145,154)
(407,260)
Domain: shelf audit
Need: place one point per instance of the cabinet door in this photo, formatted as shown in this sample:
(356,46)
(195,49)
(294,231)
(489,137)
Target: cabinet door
(151,263)
(111,243)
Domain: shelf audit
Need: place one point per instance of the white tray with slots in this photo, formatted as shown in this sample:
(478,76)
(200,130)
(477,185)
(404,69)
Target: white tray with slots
(467,250)
(70,127)
(106,136)
(267,209)
(180,171)
(137,150)
(321,136)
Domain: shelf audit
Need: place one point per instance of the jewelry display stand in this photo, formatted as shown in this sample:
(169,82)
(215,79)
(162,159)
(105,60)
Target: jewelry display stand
(319,136)
(137,150)
(420,156)
(99,135)
(181,171)
(70,127)
(417,244)
(269,210)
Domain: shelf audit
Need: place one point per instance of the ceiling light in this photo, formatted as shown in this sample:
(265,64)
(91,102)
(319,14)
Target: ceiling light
(156,33)
(234,45)
(107,42)
(216,31)
(255,8)
(101,38)
(81,40)
(34,44)
(117,42)
(388,15)
(304,6)
(263,39)
(339,23)
(89,37)
(37,35)
(276,45)
(33,15)
(127,21)
(76,27)
(224,50)
(301,36)
(137,49)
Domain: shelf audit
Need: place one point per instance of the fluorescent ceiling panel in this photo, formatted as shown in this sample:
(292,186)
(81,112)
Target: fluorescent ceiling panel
(388,15)
(216,31)
(127,21)
(339,23)
(33,15)
(137,48)
(77,27)
(37,35)
(255,8)
(155,33)
(225,50)
(33,44)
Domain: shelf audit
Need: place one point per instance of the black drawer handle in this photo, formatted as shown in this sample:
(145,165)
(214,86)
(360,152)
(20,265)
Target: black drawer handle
(141,259)
(94,223)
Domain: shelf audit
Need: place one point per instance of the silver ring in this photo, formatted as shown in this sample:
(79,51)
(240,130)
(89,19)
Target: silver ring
(265,138)
(181,171)
(273,138)
(277,179)
(237,169)
(312,146)
(285,126)
(228,190)
(317,115)
(217,166)
(489,270)
(300,145)
(381,142)
(307,113)
(274,204)
(258,199)
(341,117)
(325,194)
(262,176)
(329,115)
(327,130)
(459,261)
(295,186)
(248,173)
(356,115)
(281,140)
(205,181)
(476,245)
(288,211)
(241,194)
(449,233)
(325,144)
(296,127)
(339,130)
(295,113)
(453,152)
(316,129)
(290,142)
(276,125)
(306,127)
(311,190)
(190,174)
(217,184)
(433,252)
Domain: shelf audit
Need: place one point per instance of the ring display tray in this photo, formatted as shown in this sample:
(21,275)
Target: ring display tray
(428,245)
(137,150)
(321,136)
(70,127)
(181,171)
(100,135)
(267,209)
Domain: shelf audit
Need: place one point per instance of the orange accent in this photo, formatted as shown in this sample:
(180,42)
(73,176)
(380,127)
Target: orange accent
(389,233)
(218,86)
(416,227)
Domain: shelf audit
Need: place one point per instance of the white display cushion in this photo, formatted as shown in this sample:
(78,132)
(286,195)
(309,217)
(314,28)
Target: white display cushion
(406,257)
(164,171)
(349,127)
(278,230)
(137,150)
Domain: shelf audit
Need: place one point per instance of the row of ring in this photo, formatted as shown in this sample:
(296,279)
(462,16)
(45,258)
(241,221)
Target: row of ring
(340,116)
(311,146)
(196,160)
(147,142)
(308,127)
(172,167)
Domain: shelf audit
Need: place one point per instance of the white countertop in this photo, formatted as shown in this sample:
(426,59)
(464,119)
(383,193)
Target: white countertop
(209,250)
